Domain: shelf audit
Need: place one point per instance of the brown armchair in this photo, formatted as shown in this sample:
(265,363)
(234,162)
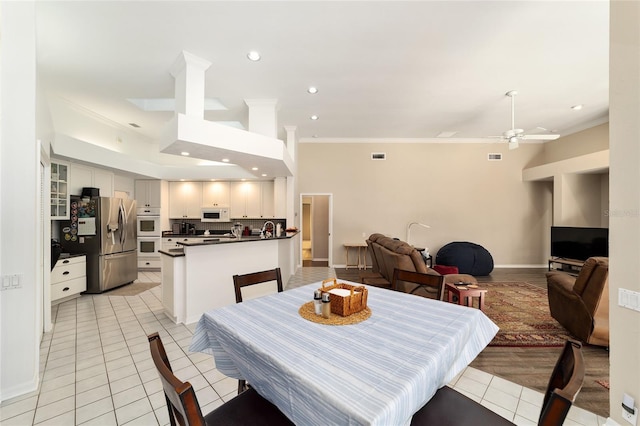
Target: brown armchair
(581,305)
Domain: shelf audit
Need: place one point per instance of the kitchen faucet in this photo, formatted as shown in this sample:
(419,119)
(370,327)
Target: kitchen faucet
(267,234)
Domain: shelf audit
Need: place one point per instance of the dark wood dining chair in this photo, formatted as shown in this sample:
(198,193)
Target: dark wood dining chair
(248,408)
(426,285)
(240,281)
(450,408)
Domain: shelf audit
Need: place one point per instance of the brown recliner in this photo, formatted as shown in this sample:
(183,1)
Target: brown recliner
(388,254)
(581,304)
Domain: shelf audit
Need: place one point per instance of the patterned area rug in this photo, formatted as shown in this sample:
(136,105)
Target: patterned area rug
(521,310)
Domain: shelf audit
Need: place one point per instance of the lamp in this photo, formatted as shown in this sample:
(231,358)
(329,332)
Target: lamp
(414,223)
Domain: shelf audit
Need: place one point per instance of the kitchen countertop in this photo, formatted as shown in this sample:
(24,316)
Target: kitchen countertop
(70,255)
(217,239)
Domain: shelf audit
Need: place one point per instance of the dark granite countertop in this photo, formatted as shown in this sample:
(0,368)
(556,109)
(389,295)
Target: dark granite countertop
(172,252)
(217,239)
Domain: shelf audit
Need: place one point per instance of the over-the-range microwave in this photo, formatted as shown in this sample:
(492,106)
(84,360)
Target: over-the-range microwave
(215,214)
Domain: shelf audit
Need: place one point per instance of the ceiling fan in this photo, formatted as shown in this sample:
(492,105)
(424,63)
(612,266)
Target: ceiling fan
(514,136)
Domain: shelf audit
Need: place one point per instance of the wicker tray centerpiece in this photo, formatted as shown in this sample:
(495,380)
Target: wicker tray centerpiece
(345,303)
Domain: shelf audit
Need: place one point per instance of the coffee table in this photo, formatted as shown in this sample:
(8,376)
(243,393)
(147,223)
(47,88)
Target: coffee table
(465,294)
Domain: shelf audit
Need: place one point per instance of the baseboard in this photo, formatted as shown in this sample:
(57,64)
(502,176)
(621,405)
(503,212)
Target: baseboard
(611,422)
(21,389)
(522,266)
(324,259)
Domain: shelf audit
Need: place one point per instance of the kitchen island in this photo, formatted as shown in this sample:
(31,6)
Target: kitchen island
(199,277)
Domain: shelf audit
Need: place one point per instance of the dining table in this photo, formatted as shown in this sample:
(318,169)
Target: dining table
(376,372)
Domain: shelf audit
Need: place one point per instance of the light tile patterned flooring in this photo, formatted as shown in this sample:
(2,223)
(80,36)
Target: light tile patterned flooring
(96,368)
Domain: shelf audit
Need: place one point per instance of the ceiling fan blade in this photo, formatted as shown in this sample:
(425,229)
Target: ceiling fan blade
(541,137)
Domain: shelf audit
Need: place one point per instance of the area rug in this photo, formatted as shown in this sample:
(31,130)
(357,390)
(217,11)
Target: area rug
(521,310)
(132,289)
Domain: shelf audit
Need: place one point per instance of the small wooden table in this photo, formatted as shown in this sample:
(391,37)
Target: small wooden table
(361,255)
(465,294)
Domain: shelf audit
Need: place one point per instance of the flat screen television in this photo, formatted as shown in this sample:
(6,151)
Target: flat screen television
(579,243)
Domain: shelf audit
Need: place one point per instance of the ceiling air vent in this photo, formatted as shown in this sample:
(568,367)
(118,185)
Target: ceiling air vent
(494,157)
(378,156)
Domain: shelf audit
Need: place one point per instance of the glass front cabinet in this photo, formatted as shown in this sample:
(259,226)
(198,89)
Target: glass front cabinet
(59,191)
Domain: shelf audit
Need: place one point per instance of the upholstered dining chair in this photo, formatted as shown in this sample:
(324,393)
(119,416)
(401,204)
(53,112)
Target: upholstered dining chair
(426,285)
(241,281)
(248,408)
(450,408)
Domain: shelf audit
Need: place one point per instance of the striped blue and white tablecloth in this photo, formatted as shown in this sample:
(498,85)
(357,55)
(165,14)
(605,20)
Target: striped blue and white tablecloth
(377,372)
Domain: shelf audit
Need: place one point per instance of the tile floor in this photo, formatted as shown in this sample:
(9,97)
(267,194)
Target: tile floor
(96,368)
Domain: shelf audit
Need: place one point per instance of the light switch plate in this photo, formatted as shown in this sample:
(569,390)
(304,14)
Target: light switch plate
(629,299)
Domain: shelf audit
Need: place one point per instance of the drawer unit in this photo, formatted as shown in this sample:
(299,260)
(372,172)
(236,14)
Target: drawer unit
(68,288)
(68,277)
(149,263)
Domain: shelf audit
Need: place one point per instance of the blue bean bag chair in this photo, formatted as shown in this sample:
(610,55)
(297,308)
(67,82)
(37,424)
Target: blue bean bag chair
(470,258)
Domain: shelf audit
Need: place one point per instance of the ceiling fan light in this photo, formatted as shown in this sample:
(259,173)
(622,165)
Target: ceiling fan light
(513,139)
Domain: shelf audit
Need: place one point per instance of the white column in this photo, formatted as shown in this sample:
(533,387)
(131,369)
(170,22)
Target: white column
(188,71)
(263,116)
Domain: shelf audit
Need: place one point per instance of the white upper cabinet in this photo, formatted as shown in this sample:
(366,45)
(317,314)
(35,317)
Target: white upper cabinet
(267,199)
(59,190)
(252,200)
(148,193)
(185,200)
(90,177)
(215,194)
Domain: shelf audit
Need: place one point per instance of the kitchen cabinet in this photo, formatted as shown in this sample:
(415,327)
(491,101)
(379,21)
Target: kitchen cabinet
(185,200)
(148,193)
(59,191)
(267,200)
(215,194)
(68,278)
(172,242)
(252,200)
(84,176)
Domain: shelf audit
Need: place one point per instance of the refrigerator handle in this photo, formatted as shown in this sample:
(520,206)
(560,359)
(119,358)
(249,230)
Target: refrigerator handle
(122,219)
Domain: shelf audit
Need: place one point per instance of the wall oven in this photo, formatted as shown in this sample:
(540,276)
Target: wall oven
(149,246)
(149,226)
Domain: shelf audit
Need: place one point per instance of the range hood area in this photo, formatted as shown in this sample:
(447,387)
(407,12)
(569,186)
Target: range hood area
(259,152)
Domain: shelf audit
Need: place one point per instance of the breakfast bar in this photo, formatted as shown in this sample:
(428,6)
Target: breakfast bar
(199,277)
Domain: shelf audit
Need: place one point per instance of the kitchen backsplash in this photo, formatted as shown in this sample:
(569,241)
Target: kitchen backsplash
(226,226)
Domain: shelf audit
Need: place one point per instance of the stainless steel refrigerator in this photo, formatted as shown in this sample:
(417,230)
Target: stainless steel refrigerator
(104,229)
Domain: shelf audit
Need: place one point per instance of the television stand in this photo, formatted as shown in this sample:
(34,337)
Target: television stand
(570,266)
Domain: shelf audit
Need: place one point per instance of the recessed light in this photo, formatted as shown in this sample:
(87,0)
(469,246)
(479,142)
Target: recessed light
(577,107)
(264,175)
(254,168)
(314,117)
(185,153)
(225,160)
(253,56)
(312,90)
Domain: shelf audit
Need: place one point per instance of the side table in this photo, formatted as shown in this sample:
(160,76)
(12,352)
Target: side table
(465,294)
(361,255)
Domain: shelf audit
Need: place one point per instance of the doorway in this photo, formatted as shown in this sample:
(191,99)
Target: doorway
(316,229)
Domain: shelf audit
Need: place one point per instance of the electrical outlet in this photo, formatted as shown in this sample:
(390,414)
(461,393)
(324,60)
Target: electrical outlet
(631,418)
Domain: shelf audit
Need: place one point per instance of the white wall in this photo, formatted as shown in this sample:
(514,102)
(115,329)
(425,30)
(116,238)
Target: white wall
(19,218)
(624,218)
